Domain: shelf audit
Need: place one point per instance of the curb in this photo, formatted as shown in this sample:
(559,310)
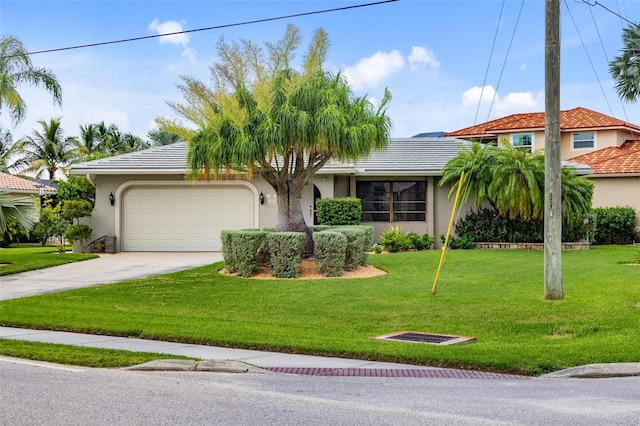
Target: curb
(597,371)
(212,366)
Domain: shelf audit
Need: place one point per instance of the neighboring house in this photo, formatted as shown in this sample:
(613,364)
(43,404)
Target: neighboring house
(616,175)
(611,148)
(16,186)
(144,200)
(581,131)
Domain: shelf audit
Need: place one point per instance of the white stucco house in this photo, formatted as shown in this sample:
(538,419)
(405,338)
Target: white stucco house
(145,201)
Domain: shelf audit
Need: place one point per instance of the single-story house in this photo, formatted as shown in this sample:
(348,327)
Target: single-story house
(145,201)
(15,186)
(616,176)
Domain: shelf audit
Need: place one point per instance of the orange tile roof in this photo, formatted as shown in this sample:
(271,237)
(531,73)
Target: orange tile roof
(614,159)
(12,183)
(573,119)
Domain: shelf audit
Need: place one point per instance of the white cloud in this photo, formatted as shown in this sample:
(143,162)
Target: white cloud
(369,72)
(170,27)
(471,97)
(517,102)
(422,55)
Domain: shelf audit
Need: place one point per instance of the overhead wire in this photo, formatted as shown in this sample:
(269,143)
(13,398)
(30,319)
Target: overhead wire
(216,27)
(595,73)
(486,73)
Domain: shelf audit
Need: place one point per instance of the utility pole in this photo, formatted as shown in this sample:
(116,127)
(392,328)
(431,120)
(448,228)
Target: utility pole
(552,170)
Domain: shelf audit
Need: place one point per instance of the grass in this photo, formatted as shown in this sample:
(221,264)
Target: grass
(495,296)
(22,259)
(77,355)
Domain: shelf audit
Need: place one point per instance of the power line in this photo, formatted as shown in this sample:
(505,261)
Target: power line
(596,3)
(217,27)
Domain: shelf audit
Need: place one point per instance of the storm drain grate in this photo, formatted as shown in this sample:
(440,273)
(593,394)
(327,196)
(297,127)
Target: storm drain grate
(426,338)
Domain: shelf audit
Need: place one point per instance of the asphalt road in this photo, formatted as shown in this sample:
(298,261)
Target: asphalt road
(33,393)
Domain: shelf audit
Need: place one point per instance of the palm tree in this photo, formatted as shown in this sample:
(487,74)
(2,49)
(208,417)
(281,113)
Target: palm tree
(577,193)
(518,182)
(158,137)
(19,210)
(7,150)
(625,69)
(46,151)
(477,162)
(87,146)
(16,68)
(263,117)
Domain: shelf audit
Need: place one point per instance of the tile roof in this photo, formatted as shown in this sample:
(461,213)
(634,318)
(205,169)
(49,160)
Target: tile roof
(402,156)
(17,184)
(621,159)
(573,119)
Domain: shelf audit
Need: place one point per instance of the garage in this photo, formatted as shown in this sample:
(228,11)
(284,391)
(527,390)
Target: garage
(183,217)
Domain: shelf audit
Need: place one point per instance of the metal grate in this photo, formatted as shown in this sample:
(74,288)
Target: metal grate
(426,338)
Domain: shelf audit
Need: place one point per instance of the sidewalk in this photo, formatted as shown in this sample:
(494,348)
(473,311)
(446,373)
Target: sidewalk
(270,361)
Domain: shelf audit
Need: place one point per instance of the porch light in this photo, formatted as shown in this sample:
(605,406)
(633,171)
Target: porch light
(112,199)
(261,198)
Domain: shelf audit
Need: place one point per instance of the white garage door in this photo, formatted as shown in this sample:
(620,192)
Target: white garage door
(183,218)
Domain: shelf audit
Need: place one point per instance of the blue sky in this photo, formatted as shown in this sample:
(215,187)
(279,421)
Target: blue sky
(432,55)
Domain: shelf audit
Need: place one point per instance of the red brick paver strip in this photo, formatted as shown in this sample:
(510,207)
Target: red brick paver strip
(443,373)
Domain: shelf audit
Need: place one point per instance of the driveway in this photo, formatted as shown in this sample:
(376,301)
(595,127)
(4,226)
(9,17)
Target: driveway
(107,268)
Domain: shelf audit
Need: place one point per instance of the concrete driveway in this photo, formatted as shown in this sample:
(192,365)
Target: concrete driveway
(107,268)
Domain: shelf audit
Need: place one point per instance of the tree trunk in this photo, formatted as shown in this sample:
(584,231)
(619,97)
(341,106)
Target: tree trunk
(290,218)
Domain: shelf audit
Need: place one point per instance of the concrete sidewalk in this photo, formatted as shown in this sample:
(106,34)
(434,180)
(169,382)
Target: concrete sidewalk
(269,361)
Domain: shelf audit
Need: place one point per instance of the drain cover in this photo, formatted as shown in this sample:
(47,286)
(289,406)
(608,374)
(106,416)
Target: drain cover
(426,338)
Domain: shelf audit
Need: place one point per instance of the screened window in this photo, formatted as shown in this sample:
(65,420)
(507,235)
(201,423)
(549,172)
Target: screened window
(391,201)
(583,140)
(523,141)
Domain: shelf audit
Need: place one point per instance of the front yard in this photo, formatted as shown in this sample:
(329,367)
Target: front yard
(28,258)
(493,295)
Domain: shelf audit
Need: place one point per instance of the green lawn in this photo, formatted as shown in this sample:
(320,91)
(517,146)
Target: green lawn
(78,355)
(21,259)
(495,296)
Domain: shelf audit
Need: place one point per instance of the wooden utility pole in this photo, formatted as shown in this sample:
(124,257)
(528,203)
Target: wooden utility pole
(552,169)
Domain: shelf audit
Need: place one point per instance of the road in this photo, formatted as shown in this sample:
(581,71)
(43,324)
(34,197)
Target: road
(33,393)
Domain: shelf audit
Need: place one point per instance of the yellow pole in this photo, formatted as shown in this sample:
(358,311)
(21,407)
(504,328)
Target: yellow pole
(446,239)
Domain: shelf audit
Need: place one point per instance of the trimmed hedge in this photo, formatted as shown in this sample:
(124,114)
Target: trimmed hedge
(286,250)
(339,211)
(241,251)
(614,225)
(359,242)
(330,247)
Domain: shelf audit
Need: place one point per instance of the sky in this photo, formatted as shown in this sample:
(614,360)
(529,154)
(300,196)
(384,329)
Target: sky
(448,64)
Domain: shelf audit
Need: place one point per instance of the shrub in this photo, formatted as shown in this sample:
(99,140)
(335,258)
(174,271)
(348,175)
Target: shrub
(614,225)
(455,243)
(331,248)
(339,211)
(359,241)
(427,241)
(245,246)
(75,209)
(78,232)
(487,225)
(227,251)
(286,250)
(394,240)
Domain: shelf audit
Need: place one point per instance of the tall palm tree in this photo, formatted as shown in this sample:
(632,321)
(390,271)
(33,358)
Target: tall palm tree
(7,149)
(625,69)
(158,137)
(16,68)
(46,151)
(87,145)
